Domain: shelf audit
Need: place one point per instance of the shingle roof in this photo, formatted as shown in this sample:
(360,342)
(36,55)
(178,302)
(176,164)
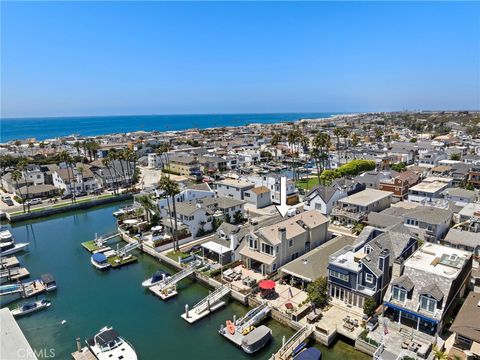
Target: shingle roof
(432,290)
(404,281)
(430,215)
(466,322)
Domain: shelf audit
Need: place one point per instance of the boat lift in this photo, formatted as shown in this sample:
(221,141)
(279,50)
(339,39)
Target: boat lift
(207,305)
(285,352)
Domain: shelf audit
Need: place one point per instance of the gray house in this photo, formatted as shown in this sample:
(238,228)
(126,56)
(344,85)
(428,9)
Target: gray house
(258,196)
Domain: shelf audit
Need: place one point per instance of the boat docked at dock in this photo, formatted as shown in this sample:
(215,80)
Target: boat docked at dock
(100,261)
(108,344)
(309,354)
(31,307)
(256,339)
(49,282)
(8,248)
(157,278)
(11,293)
(5,235)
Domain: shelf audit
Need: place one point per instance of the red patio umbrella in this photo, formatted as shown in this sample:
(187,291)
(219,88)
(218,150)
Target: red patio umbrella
(267,284)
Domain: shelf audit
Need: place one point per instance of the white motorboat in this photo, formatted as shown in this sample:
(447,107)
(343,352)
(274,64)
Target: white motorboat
(157,278)
(5,235)
(100,261)
(30,307)
(108,344)
(8,248)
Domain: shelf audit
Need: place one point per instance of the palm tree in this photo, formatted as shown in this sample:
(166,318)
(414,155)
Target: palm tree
(338,132)
(171,189)
(106,163)
(66,158)
(162,185)
(22,167)
(355,139)
(322,143)
(438,354)
(276,138)
(148,205)
(17,175)
(80,169)
(76,144)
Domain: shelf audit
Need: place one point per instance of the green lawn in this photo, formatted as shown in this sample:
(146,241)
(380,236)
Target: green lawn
(307,184)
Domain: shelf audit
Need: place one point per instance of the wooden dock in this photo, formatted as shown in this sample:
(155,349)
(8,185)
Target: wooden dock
(83,354)
(14,274)
(118,262)
(164,293)
(34,289)
(9,262)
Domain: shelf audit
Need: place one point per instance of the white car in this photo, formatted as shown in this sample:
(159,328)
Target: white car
(35,201)
(7,200)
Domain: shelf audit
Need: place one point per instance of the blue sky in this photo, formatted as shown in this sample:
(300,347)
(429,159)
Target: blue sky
(85,58)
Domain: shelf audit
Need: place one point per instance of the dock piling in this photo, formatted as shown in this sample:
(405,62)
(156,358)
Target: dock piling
(79,346)
(186,311)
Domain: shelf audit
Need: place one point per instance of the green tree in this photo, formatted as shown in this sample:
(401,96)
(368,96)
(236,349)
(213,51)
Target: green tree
(22,167)
(276,138)
(455,156)
(401,166)
(16,176)
(413,140)
(369,306)
(149,206)
(318,292)
(171,190)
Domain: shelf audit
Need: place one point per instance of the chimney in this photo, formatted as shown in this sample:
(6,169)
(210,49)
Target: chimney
(282,234)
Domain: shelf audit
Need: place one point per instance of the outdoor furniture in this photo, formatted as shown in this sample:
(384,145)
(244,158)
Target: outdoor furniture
(355,323)
(313,317)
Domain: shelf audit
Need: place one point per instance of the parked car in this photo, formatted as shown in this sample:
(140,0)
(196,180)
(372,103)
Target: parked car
(34,201)
(66,196)
(254,221)
(291,212)
(7,199)
(81,193)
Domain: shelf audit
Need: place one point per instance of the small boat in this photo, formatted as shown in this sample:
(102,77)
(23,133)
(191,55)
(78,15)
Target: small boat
(309,354)
(158,277)
(5,235)
(256,339)
(230,327)
(30,307)
(299,348)
(10,293)
(108,344)
(8,248)
(49,282)
(100,261)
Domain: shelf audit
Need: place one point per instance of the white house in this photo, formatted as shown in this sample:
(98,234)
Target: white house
(324,198)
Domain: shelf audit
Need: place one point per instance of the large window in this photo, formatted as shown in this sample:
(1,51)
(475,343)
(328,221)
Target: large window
(399,294)
(369,278)
(427,304)
(267,249)
(338,275)
(252,243)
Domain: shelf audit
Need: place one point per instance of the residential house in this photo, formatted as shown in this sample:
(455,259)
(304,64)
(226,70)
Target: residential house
(232,188)
(272,182)
(466,330)
(75,180)
(190,193)
(429,189)
(258,196)
(422,294)
(460,196)
(400,184)
(273,246)
(324,198)
(212,164)
(114,174)
(473,177)
(362,270)
(428,223)
(183,165)
(355,208)
(467,239)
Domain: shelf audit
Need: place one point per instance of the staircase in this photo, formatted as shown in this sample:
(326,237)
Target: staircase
(252,317)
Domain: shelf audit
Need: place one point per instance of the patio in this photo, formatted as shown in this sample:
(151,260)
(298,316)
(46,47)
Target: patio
(345,321)
(245,274)
(286,294)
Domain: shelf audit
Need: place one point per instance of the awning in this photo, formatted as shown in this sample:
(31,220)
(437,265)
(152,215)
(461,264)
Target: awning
(403,310)
(216,247)
(475,348)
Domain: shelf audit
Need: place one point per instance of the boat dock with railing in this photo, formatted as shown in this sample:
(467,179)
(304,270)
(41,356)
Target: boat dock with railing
(207,305)
(99,241)
(168,288)
(286,351)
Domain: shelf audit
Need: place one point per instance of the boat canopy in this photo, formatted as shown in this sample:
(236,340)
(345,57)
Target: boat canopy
(256,335)
(47,278)
(99,257)
(106,336)
(159,274)
(309,354)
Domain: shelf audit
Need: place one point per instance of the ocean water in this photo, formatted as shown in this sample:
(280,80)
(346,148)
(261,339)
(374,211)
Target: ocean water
(89,299)
(49,127)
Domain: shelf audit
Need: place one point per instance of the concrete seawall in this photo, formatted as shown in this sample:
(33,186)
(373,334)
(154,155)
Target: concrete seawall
(71,207)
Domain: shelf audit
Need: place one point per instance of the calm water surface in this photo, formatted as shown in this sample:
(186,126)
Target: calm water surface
(88,299)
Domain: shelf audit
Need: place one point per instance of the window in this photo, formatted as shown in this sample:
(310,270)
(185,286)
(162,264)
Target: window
(290,243)
(267,249)
(247,194)
(338,275)
(399,294)
(252,243)
(427,304)
(369,278)
(368,249)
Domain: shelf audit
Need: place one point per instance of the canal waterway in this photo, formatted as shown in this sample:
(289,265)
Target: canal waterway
(89,299)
